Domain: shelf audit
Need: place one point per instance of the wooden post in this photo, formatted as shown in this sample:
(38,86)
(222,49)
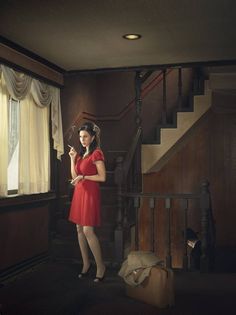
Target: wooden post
(119,231)
(205,205)
(185,255)
(137,206)
(137,159)
(198,81)
(180,98)
(168,256)
(137,184)
(152,208)
(164,109)
(138,98)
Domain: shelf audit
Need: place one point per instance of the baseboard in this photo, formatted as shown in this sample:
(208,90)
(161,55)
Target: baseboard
(17,269)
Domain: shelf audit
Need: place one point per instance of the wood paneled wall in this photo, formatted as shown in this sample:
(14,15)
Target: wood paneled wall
(105,94)
(24,233)
(209,154)
(78,95)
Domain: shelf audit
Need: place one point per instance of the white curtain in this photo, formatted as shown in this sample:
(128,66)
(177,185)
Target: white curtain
(19,85)
(34,159)
(36,98)
(57,133)
(4,103)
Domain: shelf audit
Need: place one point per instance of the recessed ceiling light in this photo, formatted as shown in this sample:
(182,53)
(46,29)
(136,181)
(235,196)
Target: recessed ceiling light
(132,36)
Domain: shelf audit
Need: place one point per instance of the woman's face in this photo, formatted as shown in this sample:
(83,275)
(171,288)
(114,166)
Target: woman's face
(85,138)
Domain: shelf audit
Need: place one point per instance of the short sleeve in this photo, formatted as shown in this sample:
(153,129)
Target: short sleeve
(97,156)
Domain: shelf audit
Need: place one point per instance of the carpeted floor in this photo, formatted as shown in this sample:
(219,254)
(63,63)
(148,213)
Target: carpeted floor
(53,288)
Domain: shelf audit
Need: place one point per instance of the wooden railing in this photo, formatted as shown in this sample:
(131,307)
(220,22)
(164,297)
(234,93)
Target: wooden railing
(127,177)
(207,223)
(120,115)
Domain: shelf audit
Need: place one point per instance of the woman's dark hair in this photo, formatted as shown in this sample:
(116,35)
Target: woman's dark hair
(92,129)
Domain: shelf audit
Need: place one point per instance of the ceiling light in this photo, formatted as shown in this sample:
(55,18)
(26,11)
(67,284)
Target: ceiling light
(132,36)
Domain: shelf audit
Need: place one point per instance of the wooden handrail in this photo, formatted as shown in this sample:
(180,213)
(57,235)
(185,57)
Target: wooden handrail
(117,117)
(130,154)
(123,164)
(161,196)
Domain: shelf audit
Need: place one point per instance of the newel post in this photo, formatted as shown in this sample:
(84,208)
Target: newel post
(205,211)
(138,98)
(139,78)
(119,230)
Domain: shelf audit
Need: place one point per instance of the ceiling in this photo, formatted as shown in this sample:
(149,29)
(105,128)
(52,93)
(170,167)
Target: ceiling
(87,34)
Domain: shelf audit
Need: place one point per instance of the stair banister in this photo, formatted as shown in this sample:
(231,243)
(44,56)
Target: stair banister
(130,154)
(164,109)
(207,223)
(168,245)
(138,99)
(121,173)
(152,204)
(118,236)
(180,87)
(207,230)
(185,205)
(123,167)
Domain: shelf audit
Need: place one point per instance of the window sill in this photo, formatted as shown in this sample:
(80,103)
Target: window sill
(16,200)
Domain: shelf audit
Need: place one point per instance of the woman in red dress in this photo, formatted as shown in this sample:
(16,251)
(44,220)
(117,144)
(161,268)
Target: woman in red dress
(87,170)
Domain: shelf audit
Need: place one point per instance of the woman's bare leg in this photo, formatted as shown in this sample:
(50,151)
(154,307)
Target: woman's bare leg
(83,244)
(95,247)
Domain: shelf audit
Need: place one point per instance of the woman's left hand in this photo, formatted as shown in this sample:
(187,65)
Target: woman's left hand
(76,180)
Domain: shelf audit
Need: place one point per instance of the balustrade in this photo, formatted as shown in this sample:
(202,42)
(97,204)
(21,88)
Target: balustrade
(128,178)
(207,239)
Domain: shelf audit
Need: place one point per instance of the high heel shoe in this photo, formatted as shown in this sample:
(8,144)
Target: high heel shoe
(99,279)
(85,274)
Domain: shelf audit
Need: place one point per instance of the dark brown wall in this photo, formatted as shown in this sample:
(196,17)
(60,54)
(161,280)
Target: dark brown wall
(114,92)
(77,96)
(105,94)
(24,233)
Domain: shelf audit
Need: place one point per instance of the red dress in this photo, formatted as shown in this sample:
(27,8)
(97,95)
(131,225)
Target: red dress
(85,206)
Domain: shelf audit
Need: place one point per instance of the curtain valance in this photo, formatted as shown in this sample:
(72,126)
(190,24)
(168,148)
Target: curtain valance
(19,85)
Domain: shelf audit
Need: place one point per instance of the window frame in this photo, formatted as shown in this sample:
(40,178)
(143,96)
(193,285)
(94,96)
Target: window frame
(11,192)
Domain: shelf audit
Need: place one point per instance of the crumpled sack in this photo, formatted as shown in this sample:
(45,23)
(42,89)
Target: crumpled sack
(136,268)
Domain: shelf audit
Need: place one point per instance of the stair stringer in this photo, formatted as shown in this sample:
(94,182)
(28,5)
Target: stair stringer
(154,156)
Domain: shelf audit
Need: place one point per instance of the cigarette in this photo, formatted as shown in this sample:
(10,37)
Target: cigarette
(70,146)
(73,180)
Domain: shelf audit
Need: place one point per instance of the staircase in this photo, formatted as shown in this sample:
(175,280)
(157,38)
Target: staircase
(154,156)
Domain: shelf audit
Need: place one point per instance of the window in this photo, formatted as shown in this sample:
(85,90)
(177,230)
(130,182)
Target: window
(13,149)
(25,133)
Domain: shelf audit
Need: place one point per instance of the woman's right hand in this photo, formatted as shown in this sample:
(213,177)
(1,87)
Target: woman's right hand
(72,153)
